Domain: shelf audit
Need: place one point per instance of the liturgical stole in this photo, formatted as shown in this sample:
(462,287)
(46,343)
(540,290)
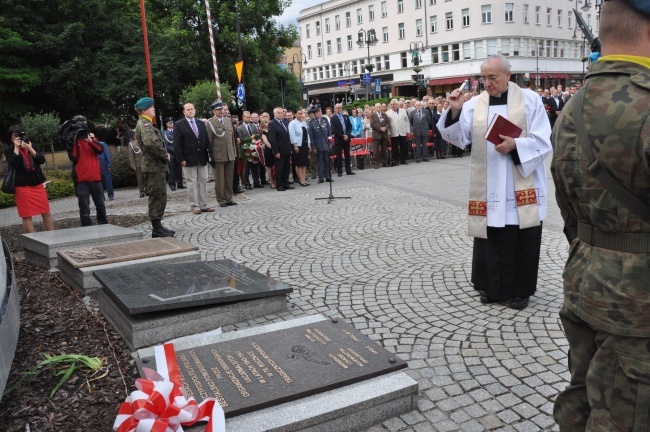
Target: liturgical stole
(525,192)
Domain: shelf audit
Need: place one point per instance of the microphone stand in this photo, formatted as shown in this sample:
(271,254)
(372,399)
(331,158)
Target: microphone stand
(331,196)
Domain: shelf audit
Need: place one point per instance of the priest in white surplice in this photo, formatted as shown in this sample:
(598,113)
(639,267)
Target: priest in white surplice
(507,198)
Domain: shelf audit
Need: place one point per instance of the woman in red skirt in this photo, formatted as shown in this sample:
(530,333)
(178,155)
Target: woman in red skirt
(30,195)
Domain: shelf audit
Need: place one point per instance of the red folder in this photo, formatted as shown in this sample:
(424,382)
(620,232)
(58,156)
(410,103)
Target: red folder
(501,126)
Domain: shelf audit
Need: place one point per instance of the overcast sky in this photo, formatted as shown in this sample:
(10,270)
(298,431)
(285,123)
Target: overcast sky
(291,13)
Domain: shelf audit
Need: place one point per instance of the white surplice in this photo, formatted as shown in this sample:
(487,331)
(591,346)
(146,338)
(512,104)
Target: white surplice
(501,202)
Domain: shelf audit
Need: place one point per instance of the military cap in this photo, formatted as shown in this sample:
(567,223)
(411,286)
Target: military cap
(313,109)
(216,105)
(169,120)
(144,103)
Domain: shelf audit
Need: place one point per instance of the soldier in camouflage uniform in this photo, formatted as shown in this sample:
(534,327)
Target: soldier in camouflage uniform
(154,165)
(606,311)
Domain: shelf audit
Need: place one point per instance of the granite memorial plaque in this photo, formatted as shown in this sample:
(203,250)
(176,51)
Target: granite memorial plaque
(99,255)
(154,288)
(255,372)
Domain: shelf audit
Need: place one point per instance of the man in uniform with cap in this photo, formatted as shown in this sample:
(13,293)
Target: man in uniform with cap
(224,153)
(319,131)
(601,169)
(154,164)
(175,179)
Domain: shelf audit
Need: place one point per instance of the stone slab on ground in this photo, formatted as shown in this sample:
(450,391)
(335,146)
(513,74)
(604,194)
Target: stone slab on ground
(83,279)
(41,247)
(9,314)
(142,330)
(350,408)
(146,289)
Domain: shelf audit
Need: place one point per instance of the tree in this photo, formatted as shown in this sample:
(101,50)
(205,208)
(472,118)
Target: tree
(203,94)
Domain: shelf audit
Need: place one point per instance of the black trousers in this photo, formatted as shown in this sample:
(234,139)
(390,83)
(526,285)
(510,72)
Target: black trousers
(282,170)
(399,149)
(251,168)
(505,264)
(342,149)
(175,172)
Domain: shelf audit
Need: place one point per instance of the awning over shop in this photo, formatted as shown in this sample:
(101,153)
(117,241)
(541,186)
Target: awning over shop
(445,81)
(332,90)
(550,75)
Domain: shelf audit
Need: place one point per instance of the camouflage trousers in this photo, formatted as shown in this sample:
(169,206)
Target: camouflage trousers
(157,186)
(610,380)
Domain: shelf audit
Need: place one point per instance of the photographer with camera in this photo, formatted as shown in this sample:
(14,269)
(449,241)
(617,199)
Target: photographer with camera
(30,195)
(86,173)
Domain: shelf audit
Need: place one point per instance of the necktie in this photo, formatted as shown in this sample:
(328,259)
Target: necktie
(379,115)
(194,129)
(420,115)
(342,123)
(249,130)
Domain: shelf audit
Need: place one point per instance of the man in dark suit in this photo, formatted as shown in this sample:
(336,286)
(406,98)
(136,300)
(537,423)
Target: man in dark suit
(281,148)
(556,103)
(379,126)
(193,152)
(246,130)
(341,129)
(420,120)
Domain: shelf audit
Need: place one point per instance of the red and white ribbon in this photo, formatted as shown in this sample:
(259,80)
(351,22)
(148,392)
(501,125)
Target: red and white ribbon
(161,405)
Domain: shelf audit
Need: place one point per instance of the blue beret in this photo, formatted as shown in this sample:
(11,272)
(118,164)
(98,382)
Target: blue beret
(144,103)
(642,6)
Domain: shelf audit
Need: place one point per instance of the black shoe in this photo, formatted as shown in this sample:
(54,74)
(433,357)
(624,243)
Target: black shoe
(329,180)
(280,189)
(426,160)
(395,163)
(181,187)
(170,231)
(486,299)
(519,303)
(289,187)
(418,160)
(173,188)
(404,163)
(313,176)
(258,186)
(264,183)
(237,191)
(158,233)
(321,181)
(351,173)
(142,195)
(340,174)
(231,203)
(248,187)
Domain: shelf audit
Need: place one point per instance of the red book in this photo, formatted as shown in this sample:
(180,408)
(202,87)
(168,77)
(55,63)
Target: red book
(501,126)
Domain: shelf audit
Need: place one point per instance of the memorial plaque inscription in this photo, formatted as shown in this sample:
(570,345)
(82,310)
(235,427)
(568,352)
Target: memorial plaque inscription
(256,372)
(156,287)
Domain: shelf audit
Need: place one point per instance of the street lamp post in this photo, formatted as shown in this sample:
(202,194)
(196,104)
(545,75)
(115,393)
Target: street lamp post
(348,68)
(537,63)
(368,38)
(297,59)
(416,48)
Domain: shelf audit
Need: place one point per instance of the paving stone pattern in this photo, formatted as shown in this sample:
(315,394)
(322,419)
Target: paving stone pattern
(395,262)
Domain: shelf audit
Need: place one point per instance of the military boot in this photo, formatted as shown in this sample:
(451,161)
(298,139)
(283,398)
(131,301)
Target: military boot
(159,230)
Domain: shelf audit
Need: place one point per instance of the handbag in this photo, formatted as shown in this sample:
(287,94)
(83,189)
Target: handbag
(9,183)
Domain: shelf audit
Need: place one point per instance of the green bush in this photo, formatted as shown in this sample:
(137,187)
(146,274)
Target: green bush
(122,173)
(6,200)
(41,128)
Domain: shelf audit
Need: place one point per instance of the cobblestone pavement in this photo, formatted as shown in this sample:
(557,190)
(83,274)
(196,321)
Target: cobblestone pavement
(395,262)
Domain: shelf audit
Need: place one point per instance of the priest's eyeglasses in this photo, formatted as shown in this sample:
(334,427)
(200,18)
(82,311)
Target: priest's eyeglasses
(486,79)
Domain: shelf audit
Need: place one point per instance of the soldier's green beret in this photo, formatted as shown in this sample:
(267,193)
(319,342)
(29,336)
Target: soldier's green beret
(642,6)
(144,103)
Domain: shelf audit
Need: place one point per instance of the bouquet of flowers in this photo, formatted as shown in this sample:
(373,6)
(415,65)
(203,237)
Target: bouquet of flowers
(252,149)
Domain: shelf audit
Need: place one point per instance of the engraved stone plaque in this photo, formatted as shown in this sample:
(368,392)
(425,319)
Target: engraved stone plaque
(160,287)
(120,252)
(255,372)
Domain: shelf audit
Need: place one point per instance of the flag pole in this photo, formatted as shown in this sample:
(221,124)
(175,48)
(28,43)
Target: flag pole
(214,53)
(146,48)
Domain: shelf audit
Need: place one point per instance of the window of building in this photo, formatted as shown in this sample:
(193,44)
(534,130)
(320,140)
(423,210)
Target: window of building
(538,12)
(384,31)
(556,52)
(317,28)
(589,20)
(449,20)
(455,52)
(308,51)
(418,4)
(359,16)
(307,32)
(435,56)
(486,14)
(314,74)
(445,53)
(402,31)
(340,69)
(337,22)
(327,72)
(491,47)
(597,22)
(548,48)
(479,50)
(378,63)
(510,12)
(355,68)
(559,17)
(467,51)
(319,49)
(465,14)
(432,2)
(329,47)
(505,46)
(434,24)
(549,12)
(320,72)
(404,59)
(384,9)
(339,45)
(525,14)
(362,63)
(386,62)
(418,27)
(515,47)
(349,42)
(400,6)
(348,19)
(327,25)
(371,13)
(333,71)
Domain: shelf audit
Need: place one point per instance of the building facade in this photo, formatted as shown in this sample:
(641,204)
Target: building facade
(540,38)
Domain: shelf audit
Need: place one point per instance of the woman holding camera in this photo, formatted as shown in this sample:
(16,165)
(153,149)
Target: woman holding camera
(30,195)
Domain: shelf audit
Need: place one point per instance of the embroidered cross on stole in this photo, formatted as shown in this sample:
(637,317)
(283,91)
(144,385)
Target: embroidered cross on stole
(525,192)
